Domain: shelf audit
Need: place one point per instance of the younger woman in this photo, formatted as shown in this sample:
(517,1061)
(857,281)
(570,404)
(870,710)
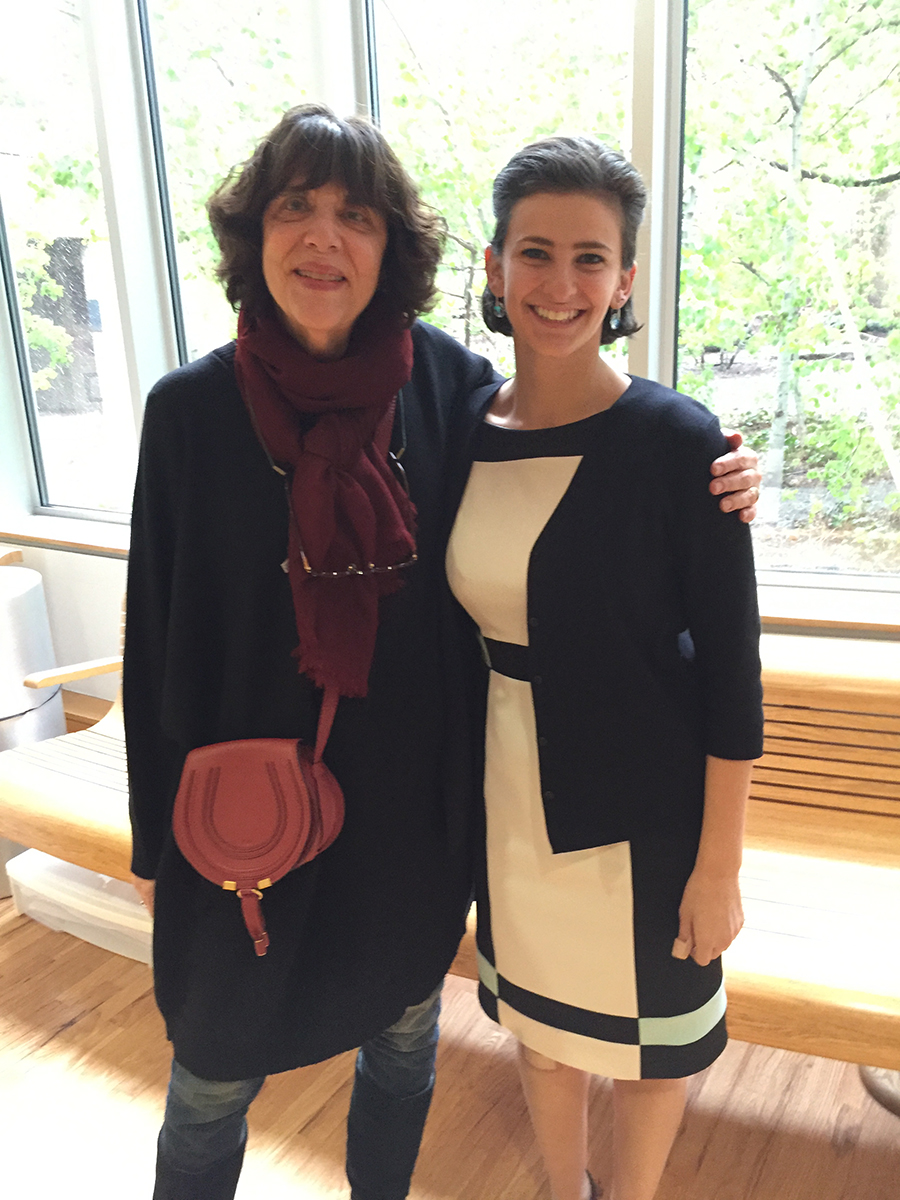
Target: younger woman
(624,704)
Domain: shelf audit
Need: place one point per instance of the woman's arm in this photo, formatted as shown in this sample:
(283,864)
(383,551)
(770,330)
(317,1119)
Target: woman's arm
(152,757)
(718,582)
(146,889)
(710,914)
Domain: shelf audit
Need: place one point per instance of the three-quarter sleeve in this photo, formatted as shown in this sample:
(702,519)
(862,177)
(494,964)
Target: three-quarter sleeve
(154,759)
(718,581)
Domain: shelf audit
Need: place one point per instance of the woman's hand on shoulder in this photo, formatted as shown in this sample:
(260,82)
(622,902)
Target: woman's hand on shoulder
(146,889)
(736,478)
(710,917)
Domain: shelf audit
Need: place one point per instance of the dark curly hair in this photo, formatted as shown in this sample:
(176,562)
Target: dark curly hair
(310,142)
(569,164)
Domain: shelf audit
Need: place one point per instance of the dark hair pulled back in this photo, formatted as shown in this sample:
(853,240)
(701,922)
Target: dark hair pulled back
(565,165)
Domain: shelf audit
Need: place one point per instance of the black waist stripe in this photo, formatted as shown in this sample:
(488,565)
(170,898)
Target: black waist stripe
(508,658)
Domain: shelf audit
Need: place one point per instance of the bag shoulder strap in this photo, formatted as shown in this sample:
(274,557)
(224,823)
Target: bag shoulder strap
(330,698)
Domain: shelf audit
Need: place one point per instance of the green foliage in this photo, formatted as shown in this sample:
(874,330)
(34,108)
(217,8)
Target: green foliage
(41,333)
(67,172)
(841,452)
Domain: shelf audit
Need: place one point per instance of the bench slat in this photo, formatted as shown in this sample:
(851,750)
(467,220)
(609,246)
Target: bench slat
(828,790)
(831,735)
(837,718)
(856,766)
(814,797)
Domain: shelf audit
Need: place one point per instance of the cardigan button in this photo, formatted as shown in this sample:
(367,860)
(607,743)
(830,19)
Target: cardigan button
(537,679)
(549,796)
(533,622)
(542,741)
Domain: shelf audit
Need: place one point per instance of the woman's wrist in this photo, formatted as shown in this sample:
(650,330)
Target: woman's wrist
(717,866)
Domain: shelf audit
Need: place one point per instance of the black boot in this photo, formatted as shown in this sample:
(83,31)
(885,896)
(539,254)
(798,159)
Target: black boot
(218,1182)
(383,1137)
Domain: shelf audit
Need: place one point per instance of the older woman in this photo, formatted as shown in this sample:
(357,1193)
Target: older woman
(247,597)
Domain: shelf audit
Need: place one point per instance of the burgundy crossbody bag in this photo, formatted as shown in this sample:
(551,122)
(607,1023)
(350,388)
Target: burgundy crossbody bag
(249,811)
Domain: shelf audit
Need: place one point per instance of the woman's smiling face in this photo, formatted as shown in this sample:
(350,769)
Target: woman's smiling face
(321,260)
(560,270)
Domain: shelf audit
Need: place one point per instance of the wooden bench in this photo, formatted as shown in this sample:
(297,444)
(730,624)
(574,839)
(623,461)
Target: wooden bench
(816,968)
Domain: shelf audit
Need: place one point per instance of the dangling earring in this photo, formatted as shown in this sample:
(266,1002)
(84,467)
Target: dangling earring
(498,308)
(614,321)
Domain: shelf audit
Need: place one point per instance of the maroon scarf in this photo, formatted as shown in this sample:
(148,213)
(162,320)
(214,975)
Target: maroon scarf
(348,509)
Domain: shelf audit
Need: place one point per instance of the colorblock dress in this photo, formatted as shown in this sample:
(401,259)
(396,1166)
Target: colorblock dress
(574,948)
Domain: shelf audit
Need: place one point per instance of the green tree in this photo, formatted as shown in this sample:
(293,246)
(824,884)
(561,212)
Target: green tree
(791,151)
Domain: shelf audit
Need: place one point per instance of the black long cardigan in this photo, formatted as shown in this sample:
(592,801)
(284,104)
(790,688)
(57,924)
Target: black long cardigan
(642,622)
(371,925)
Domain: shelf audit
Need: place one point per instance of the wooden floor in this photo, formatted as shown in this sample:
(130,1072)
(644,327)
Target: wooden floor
(84,1061)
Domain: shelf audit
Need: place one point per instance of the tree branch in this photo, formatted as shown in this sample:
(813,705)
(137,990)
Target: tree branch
(215,62)
(869,93)
(876,28)
(753,271)
(786,87)
(472,249)
(823,178)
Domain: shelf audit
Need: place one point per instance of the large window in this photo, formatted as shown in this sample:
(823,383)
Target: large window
(59,256)
(790,274)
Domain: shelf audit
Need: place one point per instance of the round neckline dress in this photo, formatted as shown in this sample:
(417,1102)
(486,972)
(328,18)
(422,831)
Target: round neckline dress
(574,948)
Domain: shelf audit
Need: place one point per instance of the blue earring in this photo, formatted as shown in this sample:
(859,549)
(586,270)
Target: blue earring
(614,321)
(498,307)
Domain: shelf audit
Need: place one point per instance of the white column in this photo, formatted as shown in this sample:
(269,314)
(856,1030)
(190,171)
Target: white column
(657,120)
(339,33)
(130,193)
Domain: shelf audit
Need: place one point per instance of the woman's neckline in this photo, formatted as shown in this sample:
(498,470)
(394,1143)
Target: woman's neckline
(566,424)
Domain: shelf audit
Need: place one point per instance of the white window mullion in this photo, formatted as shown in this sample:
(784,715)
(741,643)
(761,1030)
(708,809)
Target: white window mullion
(130,192)
(18,485)
(340,34)
(365,65)
(657,123)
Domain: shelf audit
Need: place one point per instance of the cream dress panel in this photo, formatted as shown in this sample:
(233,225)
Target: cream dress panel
(561,923)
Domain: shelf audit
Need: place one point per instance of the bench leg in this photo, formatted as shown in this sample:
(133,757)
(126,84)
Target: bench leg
(884,1085)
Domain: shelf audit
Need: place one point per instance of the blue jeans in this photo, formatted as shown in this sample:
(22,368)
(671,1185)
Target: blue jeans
(201,1143)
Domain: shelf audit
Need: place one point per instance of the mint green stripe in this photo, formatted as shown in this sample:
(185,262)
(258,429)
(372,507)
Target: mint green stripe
(487,973)
(685,1028)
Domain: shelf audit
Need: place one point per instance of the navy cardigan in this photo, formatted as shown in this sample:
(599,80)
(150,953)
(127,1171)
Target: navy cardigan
(643,624)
